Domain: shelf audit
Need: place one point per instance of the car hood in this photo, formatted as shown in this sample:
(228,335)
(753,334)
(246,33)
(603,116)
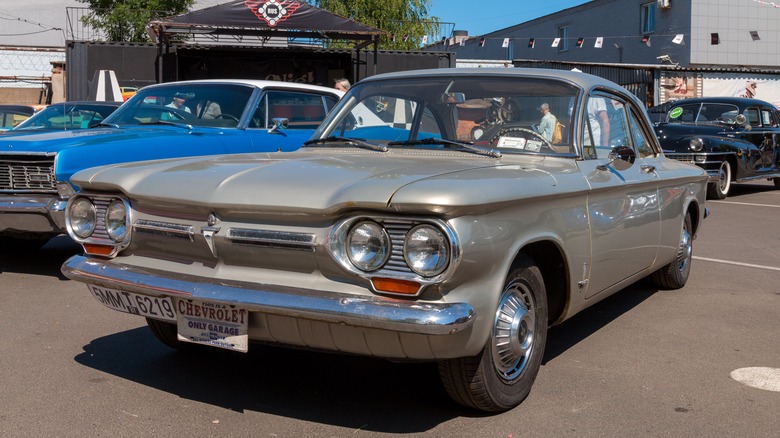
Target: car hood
(676,136)
(332,179)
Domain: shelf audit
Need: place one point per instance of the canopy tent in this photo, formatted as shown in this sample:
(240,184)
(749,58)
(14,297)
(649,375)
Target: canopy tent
(244,21)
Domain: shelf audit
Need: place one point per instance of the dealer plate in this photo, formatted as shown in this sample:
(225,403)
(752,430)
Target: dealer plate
(129,302)
(218,325)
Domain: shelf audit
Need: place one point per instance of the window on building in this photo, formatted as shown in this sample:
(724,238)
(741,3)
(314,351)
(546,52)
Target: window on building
(648,18)
(563,34)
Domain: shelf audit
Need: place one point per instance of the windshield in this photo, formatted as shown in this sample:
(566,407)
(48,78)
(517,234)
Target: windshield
(712,113)
(67,116)
(508,113)
(218,105)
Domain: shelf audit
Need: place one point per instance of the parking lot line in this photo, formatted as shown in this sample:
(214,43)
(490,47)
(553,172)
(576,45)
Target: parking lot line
(744,203)
(729,262)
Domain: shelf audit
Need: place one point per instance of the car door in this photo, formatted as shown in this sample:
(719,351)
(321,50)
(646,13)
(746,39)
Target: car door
(623,207)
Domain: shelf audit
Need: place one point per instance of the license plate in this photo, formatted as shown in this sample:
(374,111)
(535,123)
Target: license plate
(136,304)
(218,325)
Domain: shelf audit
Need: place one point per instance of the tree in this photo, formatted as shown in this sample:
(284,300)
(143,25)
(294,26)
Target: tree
(405,21)
(126,20)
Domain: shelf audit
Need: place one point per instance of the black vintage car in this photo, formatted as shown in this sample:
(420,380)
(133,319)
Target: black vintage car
(734,139)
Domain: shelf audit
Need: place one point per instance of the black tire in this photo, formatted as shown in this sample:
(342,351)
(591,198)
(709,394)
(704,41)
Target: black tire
(500,377)
(166,332)
(675,274)
(777,182)
(720,189)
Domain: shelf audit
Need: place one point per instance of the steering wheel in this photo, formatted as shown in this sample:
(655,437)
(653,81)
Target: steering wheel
(227,116)
(526,133)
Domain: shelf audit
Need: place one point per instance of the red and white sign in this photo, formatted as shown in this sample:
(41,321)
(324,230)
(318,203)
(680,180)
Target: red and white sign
(272,12)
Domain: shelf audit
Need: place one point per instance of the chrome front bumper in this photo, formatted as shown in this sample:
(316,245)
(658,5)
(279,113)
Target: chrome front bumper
(16,210)
(350,310)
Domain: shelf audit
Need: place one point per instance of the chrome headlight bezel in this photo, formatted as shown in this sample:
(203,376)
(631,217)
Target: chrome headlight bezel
(81,218)
(696,144)
(426,250)
(368,246)
(397,228)
(116,231)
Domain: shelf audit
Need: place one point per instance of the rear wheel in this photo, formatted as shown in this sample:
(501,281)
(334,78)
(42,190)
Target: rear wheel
(675,274)
(501,376)
(720,189)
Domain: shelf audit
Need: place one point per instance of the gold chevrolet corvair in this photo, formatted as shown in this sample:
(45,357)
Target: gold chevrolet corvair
(434,215)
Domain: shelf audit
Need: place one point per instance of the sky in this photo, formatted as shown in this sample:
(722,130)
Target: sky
(40,23)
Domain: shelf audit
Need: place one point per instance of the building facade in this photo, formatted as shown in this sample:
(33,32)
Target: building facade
(696,47)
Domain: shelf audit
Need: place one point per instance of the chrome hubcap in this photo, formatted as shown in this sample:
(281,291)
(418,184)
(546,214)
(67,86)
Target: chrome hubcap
(685,251)
(513,332)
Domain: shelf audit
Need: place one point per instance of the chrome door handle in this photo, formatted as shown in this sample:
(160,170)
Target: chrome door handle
(647,168)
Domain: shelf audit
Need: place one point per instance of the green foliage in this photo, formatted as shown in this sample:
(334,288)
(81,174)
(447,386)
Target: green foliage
(399,18)
(126,20)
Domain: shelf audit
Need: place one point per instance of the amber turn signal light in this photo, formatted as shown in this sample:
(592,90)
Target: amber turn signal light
(395,286)
(93,249)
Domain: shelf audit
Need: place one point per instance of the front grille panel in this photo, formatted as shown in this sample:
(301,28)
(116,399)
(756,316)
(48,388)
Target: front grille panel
(27,173)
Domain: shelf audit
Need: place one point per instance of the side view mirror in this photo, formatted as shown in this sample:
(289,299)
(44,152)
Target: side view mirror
(621,158)
(278,123)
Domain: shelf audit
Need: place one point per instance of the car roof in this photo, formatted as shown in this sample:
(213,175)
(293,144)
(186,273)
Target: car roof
(739,101)
(88,102)
(584,80)
(253,83)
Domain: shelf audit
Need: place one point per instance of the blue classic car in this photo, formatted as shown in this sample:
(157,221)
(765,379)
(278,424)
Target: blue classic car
(160,121)
(734,139)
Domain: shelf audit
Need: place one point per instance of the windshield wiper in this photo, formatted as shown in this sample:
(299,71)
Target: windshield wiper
(357,141)
(471,147)
(166,122)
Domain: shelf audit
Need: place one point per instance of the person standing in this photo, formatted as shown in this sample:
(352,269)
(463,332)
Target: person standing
(547,125)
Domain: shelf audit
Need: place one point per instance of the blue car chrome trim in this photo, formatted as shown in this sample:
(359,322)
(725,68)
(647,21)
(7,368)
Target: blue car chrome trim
(351,310)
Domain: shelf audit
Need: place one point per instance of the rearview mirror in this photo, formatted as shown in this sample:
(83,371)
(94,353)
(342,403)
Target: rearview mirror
(452,98)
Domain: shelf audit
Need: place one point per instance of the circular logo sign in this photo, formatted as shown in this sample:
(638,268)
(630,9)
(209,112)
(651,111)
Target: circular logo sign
(675,113)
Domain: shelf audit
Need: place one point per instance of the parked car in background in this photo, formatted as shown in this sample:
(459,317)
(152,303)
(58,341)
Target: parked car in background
(426,219)
(11,115)
(734,139)
(66,116)
(160,121)
(128,92)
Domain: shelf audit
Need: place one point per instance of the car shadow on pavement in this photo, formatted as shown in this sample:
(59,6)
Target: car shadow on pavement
(342,390)
(568,334)
(46,260)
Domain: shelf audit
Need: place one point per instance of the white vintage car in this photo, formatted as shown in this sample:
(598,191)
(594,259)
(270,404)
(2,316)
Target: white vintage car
(431,217)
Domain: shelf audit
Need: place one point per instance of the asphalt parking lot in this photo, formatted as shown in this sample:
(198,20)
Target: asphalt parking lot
(700,361)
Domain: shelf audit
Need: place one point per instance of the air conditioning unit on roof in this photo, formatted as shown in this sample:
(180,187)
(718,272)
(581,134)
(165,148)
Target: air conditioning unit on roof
(665,4)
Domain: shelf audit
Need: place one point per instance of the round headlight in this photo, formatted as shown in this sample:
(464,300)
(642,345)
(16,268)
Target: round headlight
(426,250)
(696,144)
(82,217)
(368,246)
(116,220)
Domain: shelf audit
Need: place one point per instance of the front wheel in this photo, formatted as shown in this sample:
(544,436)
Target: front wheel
(720,189)
(500,377)
(675,274)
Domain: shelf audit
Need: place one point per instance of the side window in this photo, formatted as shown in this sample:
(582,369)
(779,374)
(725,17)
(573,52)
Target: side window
(766,118)
(605,127)
(302,110)
(641,144)
(429,127)
(752,116)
